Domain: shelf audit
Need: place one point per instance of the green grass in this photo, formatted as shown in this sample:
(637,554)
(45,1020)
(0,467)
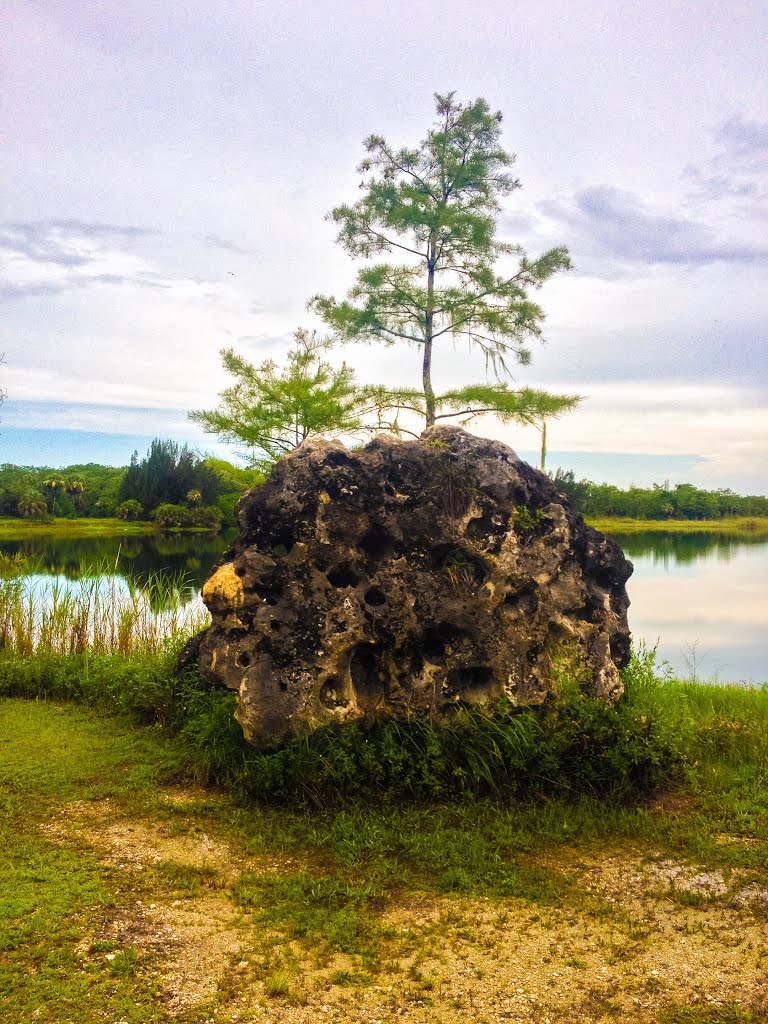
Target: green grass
(660,734)
(339,864)
(51,755)
(752,526)
(20,529)
(353,821)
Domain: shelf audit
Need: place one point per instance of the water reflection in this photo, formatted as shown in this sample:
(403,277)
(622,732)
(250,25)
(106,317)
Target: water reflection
(704,599)
(682,548)
(137,560)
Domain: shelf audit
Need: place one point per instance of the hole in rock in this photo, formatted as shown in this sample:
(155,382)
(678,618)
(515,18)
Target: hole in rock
(390,490)
(269,593)
(592,611)
(365,670)
(619,646)
(330,694)
(332,489)
(471,679)
(240,571)
(458,565)
(377,545)
(437,639)
(243,660)
(283,686)
(282,541)
(375,597)
(275,625)
(534,653)
(339,459)
(523,600)
(484,528)
(342,576)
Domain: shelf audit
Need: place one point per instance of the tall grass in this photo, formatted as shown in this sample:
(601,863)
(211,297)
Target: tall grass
(99,613)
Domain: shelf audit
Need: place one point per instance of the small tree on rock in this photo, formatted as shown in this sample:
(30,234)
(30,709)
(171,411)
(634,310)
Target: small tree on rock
(436,207)
(270,410)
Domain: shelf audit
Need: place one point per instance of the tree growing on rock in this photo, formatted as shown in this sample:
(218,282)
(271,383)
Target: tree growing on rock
(270,410)
(435,209)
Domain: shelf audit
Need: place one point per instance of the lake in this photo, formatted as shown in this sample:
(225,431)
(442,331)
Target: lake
(136,558)
(703,597)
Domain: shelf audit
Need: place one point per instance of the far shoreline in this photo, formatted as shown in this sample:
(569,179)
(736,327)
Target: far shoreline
(21,529)
(744,526)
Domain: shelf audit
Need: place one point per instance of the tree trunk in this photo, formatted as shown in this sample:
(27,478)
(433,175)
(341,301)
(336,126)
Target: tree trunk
(426,376)
(543,444)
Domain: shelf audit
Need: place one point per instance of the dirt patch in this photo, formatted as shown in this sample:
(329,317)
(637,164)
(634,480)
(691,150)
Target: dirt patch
(189,943)
(188,947)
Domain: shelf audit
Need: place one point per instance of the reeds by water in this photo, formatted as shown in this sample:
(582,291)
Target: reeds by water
(100,612)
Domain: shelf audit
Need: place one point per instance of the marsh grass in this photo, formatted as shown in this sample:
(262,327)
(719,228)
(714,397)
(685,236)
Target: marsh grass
(751,526)
(13,565)
(98,613)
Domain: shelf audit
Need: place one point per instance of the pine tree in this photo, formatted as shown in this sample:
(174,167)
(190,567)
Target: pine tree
(436,208)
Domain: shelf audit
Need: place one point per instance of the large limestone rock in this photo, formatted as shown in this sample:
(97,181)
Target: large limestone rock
(410,577)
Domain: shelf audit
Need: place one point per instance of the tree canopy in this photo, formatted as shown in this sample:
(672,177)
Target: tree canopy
(167,474)
(434,208)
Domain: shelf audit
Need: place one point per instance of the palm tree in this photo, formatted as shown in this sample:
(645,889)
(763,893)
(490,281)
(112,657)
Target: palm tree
(74,489)
(54,485)
(32,506)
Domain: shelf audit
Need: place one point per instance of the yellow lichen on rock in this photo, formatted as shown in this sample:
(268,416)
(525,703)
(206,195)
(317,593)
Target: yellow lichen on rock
(224,587)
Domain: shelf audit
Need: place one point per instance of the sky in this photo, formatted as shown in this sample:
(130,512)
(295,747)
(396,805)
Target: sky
(165,172)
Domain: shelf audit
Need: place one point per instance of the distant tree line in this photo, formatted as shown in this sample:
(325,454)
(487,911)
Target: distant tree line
(171,485)
(684,501)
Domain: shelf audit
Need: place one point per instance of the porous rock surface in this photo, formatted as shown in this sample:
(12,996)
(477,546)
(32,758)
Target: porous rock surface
(409,577)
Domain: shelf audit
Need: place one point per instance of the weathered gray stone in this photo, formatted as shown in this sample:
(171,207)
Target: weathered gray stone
(409,577)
